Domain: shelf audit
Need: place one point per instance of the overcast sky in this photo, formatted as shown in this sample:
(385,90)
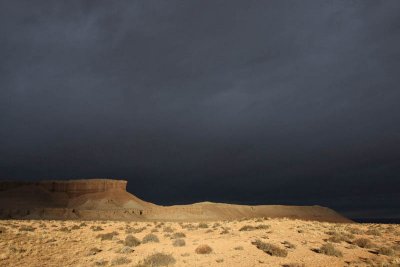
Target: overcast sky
(291,102)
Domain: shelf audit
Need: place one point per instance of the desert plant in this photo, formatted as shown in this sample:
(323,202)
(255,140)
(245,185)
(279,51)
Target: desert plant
(203,249)
(270,248)
(178,235)
(120,261)
(96,228)
(101,262)
(330,250)
(107,236)
(131,241)
(179,242)
(238,248)
(202,225)
(168,229)
(247,228)
(159,259)
(375,232)
(132,230)
(289,245)
(294,265)
(386,251)
(125,250)
(150,238)
(363,243)
(27,228)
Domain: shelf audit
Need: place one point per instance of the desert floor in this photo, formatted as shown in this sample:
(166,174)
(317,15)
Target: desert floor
(248,242)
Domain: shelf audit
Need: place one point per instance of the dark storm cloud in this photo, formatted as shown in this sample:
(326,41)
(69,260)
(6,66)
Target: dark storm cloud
(246,101)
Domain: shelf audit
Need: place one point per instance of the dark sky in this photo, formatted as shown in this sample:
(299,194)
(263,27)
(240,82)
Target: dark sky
(274,102)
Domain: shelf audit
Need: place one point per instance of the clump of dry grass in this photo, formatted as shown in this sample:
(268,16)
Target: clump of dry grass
(203,249)
(96,228)
(168,229)
(157,259)
(340,237)
(386,251)
(178,235)
(202,225)
(224,231)
(363,243)
(355,231)
(294,265)
(120,261)
(150,238)
(252,228)
(132,230)
(179,242)
(238,248)
(289,245)
(27,228)
(64,229)
(107,236)
(330,250)
(270,248)
(374,232)
(131,241)
(101,262)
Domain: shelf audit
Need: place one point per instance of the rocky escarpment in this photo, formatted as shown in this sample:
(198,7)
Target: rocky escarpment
(103,199)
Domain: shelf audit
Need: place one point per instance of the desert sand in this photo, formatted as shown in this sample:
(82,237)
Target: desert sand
(247,242)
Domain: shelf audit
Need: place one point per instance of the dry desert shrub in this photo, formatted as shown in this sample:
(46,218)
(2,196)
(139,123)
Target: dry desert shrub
(270,248)
(132,230)
(157,259)
(150,238)
(294,265)
(224,231)
(27,228)
(125,250)
(238,248)
(96,228)
(131,241)
(65,229)
(363,243)
(252,228)
(100,262)
(120,261)
(202,225)
(340,237)
(75,227)
(330,250)
(386,251)
(82,224)
(215,225)
(219,260)
(107,236)
(203,249)
(178,235)
(355,231)
(289,245)
(179,242)
(168,229)
(374,232)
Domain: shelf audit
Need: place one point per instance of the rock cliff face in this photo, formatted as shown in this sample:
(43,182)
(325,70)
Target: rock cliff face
(73,188)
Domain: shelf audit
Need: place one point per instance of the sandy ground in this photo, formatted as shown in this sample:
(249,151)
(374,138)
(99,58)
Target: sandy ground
(79,243)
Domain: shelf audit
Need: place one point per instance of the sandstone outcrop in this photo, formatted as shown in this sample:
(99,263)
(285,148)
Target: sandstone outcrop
(107,199)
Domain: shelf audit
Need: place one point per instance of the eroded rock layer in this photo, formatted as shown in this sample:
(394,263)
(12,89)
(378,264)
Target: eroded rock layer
(107,199)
